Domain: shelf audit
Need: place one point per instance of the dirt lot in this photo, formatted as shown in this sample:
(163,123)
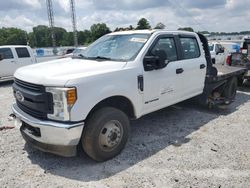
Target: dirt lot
(180,146)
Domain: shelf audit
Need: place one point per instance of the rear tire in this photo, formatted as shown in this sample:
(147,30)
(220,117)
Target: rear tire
(231,89)
(105,134)
(240,81)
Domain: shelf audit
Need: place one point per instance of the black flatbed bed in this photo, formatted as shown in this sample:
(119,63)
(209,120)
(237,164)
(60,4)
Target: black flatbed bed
(225,72)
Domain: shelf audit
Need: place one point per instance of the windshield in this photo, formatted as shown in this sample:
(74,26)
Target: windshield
(211,47)
(116,47)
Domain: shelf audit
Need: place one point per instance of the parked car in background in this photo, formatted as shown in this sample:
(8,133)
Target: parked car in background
(69,51)
(76,52)
(217,52)
(241,59)
(14,57)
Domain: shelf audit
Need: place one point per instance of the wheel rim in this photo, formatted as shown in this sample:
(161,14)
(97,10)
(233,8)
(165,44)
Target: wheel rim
(110,135)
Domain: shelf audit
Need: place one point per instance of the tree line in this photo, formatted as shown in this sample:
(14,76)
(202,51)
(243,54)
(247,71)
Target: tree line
(41,34)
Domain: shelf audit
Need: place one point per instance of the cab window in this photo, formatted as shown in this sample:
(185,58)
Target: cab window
(22,52)
(6,53)
(190,47)
(167,45)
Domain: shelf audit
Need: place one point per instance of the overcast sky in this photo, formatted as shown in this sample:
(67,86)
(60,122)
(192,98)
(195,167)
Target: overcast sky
(211,15)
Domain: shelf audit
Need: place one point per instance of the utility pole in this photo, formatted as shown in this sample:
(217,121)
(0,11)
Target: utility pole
(73,17)
(51,24)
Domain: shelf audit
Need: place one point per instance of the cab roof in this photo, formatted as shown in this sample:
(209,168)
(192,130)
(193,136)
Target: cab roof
(13,46)
(150,31)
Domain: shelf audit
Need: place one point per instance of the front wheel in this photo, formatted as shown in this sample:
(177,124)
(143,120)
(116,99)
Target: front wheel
(105,134)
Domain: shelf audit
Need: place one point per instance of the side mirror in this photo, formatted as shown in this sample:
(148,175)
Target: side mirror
(158,61)
(1,57)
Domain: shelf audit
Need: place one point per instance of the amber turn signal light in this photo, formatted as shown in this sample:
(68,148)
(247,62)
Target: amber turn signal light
(71,96)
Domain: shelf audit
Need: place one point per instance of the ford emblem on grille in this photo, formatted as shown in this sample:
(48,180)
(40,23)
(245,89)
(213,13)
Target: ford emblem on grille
(19,96)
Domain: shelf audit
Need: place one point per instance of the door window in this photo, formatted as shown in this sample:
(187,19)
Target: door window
(7,53)
(190,47)
(22,52)
(168,45)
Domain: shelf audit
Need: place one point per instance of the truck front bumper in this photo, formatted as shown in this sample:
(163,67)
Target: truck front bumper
(49,136)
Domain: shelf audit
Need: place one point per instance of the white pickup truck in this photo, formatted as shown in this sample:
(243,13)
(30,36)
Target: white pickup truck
(12,58)
(87,101)
(218,53)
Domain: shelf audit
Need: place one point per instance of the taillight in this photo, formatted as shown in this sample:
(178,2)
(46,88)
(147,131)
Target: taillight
(228,60)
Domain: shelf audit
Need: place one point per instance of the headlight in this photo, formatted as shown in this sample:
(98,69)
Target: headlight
(63,101)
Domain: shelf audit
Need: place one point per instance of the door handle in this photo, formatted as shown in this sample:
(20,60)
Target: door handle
(179,71)
(13,61)
(202,66)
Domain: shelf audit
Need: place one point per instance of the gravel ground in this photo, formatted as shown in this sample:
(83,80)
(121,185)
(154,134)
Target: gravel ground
(180,146)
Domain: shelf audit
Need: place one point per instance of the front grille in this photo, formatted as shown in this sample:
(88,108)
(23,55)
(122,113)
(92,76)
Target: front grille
(36,101)
(29,86)
(32,112)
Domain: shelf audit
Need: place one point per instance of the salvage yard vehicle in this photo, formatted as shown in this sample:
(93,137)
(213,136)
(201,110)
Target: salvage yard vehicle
(87,101)
(241,59)
(12,58)
(217,52)
(77,52)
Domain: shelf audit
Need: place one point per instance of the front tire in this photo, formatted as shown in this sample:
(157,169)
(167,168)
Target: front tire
(105,134)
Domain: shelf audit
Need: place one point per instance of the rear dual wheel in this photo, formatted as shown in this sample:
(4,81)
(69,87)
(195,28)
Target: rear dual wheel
(105,134)
(240,81)
(230,89)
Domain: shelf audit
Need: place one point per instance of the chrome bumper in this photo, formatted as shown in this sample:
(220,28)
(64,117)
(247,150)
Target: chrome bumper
(53,137)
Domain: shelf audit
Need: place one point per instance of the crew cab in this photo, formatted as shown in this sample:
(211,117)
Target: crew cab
(12,58)
(87,101)
(217,53)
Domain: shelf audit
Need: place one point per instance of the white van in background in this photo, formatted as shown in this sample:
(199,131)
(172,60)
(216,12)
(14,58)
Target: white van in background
(13,57)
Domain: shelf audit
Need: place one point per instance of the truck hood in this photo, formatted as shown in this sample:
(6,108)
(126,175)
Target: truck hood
(58,72)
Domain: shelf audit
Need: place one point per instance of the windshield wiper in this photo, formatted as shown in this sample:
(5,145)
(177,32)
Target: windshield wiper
(102,57)
(80,56)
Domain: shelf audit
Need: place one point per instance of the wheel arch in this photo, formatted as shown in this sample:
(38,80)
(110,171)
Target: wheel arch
(120,102)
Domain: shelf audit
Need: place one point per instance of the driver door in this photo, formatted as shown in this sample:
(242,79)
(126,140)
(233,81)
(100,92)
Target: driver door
(162,86)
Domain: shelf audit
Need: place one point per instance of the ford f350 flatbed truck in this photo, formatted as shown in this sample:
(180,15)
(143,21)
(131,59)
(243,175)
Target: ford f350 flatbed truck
(87,101)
